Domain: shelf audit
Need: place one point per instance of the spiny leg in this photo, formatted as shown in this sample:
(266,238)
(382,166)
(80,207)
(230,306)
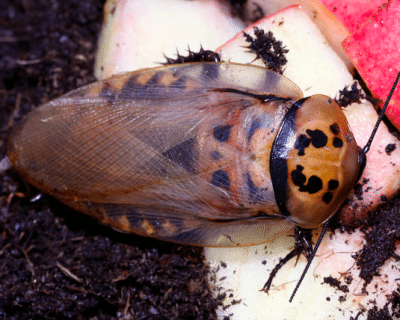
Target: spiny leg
(302,245)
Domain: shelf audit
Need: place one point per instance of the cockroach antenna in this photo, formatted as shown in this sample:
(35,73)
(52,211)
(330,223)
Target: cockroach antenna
(309,260)
(363,151)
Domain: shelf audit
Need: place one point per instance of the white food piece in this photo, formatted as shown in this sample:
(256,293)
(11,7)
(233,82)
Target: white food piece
(382,169)
(245,270)
(137,33)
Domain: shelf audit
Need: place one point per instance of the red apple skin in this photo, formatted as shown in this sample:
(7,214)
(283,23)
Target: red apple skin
(353,13)
(375,51)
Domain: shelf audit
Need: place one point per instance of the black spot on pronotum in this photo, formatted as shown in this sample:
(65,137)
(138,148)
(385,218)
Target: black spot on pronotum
(333,184)
(314,185)
(302,142)
(337,143)
(220,178)
(335,129)
(299,179)
(318,138)
(221,133)
(327,197)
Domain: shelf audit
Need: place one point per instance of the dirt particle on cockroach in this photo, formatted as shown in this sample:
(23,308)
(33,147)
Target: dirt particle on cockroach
(271,51)
(358,191)
(349,95)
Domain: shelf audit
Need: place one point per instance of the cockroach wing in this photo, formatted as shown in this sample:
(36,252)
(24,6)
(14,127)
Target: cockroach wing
(136,151)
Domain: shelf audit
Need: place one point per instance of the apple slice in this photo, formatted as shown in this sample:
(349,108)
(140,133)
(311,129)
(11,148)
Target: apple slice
(375,51)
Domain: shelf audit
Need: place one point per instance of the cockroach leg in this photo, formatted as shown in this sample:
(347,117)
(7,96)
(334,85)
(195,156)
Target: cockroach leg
(302,245)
